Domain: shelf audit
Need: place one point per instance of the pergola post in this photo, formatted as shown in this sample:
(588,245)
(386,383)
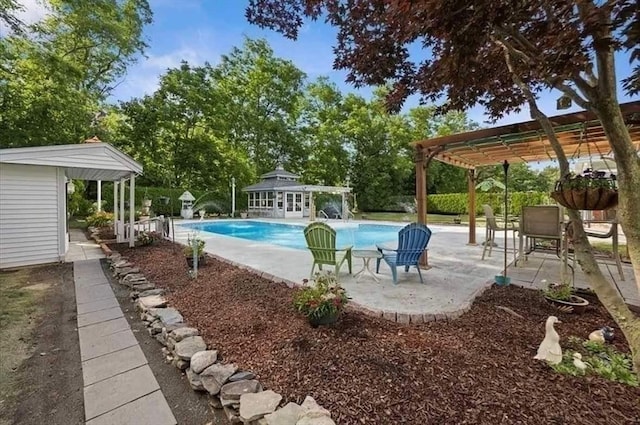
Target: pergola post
(471,178)
(312,208)
(121,223)
(132,210)
(115,208)
(421,195)
(344,208)
(99,195)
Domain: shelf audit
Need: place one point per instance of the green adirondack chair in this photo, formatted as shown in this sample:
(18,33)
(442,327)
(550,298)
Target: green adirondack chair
(321,240)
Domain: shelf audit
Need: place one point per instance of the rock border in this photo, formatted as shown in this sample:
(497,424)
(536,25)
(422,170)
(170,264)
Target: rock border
(241,396)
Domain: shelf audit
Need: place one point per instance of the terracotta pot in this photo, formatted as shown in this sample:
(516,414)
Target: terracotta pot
(586,199)
(575,305)
(324,320)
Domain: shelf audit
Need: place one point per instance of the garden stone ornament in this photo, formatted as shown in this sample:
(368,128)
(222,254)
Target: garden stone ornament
(578,363)
(550,349)
(602,335)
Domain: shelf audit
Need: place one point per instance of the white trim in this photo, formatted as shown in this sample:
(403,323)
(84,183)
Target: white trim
(132,209)
(56,156)
(308,188)
(115,208)
(62,213)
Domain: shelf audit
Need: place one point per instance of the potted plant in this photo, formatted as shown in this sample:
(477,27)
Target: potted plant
(593,190)
(323,301)
(562,296)
(188,250)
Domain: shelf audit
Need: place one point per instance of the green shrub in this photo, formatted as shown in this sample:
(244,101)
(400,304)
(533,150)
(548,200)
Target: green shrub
(457,203)
(100,219)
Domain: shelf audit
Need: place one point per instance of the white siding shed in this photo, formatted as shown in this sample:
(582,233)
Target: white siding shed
(33,196)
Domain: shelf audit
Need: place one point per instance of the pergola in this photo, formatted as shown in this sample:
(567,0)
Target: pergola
(579,133)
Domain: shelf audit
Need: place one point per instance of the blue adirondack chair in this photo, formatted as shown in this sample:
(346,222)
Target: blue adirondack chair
(412,242)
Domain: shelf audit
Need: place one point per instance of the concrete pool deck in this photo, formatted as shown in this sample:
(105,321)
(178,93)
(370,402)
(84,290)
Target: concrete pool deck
(457,274)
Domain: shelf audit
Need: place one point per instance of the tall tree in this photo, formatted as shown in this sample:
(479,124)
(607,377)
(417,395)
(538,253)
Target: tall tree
(500,55)
(322,119)
(171,134)
(261,95)
(56,76)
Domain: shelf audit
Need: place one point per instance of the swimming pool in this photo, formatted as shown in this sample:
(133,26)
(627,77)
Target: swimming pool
(361,236)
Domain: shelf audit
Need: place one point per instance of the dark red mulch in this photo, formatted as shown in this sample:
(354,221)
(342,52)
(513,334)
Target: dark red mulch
(478,369)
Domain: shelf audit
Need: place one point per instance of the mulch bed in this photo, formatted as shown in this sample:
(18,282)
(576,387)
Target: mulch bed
(478,369)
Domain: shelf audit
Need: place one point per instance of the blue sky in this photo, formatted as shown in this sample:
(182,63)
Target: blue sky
(203,30)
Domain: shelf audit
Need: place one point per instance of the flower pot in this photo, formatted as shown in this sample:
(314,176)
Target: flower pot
(502,280)
(575,305)
(324,320)
(201,261)
(146,203)
(599,198)
(243,215)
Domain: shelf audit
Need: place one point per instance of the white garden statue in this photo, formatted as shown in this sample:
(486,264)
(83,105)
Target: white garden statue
(550,349)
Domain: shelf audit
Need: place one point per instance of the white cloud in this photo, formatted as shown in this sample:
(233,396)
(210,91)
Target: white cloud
(143,78)
(32,11)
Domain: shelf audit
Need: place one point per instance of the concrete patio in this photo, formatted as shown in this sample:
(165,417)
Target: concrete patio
(457,274)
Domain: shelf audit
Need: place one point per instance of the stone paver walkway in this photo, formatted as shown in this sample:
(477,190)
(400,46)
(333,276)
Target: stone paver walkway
(80,248)
(119,386)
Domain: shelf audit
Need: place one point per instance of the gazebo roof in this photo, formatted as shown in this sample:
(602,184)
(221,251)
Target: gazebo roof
(580,134)
(279,172)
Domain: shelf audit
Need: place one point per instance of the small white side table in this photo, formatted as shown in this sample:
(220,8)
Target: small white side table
(366,255)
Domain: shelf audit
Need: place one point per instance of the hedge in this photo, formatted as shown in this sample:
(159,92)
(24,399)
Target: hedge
(457,203)
(213,205)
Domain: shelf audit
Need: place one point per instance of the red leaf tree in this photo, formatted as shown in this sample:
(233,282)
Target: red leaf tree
(499,54)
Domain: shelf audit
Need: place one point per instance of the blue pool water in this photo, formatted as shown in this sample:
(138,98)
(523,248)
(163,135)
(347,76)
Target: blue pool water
(361,236)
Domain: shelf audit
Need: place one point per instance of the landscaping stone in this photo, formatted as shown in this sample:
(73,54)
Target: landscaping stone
(254,406)
(180,364)
(288,415)
(189,346)
(232,415)
(215,402)
(152,301)
(161,339)
(155,327)
(144,287)
(171,343)
(240,376)
(148,292)
(312,409)
(182,333)
(232,391)
(123,271)
(402,318)
(216,375)
(203,359)
(168,316)
(322,420)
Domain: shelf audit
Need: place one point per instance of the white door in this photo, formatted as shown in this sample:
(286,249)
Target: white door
(294,205)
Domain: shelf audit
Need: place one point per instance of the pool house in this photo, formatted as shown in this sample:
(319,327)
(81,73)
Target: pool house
(279,194)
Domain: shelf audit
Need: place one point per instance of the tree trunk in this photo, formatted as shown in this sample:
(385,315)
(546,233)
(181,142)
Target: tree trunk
(607,294)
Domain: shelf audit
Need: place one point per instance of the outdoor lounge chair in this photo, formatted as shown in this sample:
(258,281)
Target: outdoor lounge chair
(492,228)
(321,241)
(412,242)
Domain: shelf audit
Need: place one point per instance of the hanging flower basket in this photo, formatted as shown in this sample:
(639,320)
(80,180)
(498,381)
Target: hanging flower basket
(590,191)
